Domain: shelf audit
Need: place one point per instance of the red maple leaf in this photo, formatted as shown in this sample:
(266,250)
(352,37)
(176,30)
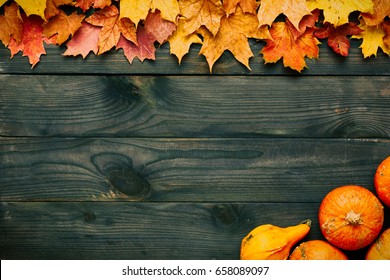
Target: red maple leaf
(87,4)
(337,36)
(84,41)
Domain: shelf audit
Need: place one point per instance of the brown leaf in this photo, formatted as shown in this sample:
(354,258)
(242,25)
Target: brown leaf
(247,6)
(52,7)
(87,4)
(11,24)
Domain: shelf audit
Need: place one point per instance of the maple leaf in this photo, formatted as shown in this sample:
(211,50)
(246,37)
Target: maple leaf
(11,24)
(386,28)
(233,36)
(381,10)
(85,5)
(84,41)
(52,7)
(180,41)
(290,45)
(137,10)
(32,39)
(372,39)
(160,28)
(337,36)
(337,11)
(202,12)
(63,25)
(33,7)
(247,6)
(294,10)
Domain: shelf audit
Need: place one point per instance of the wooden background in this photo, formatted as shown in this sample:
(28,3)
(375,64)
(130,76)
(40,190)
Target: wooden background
(100,159)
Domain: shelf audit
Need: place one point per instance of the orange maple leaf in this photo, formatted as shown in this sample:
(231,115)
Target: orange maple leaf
(63,25)
(233,36)
(32,39)
(294,10)
(87,4)
(84,41)
(289,44)
(11,24)
(337,36)
(381,10)
(386,28)
(247,6)
(199,13)
(52,7)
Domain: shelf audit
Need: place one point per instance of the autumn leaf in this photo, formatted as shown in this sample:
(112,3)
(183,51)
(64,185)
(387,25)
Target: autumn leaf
(290,46)
(53,7)
(33,7)
(372,37)
(233,36)
(338,11)
(97,4)
(11,24)
(386,28)
(294,10)
(337,36)
(160,28)
(180,42)
(199,13)
(32,39)
(84,41)
(63,25)
(247,6)
(381,10)
(137,10)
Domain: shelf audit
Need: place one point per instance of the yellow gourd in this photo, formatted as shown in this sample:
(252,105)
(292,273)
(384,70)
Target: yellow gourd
(270,242)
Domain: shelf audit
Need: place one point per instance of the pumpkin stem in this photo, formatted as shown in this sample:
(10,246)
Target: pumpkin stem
(353,218)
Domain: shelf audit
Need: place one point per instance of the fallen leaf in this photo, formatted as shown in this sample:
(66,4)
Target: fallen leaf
(294,10)
(52,7)
(247,6)
(381,10)
(33,7)
(180,42)
(287,45)
(386,28)
(233,36)
(199,13)
(63,25)
(11,24)
(338,11)
(160,28)
(32,39)
(85,5)
(128,29)
(137,10)
(372,37)
(337,36)
(84,41)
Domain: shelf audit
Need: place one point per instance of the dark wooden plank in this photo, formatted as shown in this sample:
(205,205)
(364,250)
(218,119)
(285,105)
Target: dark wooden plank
(200,106)
(122,230)
(114,62)
(200,170)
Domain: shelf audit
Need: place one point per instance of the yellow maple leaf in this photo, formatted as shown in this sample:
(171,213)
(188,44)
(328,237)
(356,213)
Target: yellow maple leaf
(337,11)
(180,41)
(381,10)
(372,37)
(294,10)
(248,6)
(233,36)
(33,7)
(199,13)
(137,10)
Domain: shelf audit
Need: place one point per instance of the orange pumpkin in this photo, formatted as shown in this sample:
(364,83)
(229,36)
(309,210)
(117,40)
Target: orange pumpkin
(380,249)
(382,181)
(351,217)
(317,250)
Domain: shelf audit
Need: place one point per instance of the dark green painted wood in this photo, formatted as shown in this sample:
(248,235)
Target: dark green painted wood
(194,106)
(115,62)
(193,170)
(125,230)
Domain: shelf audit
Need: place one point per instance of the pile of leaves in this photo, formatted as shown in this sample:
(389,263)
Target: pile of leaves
(290,29)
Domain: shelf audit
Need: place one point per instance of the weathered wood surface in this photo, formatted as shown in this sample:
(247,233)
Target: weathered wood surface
(194,106)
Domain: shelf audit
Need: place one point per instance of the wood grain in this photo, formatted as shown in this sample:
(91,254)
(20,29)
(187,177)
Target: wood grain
(114,62)
(194,106)
(192,170)
(123,230)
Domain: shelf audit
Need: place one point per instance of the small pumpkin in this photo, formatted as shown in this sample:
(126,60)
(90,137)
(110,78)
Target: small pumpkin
(380,249)
(382,181)
(351,217)
(317,250)
(270,242)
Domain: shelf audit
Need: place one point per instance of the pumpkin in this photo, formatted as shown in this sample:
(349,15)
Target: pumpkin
(270,242)
(380,249)
(351,217)
(317,250)
(382,181)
